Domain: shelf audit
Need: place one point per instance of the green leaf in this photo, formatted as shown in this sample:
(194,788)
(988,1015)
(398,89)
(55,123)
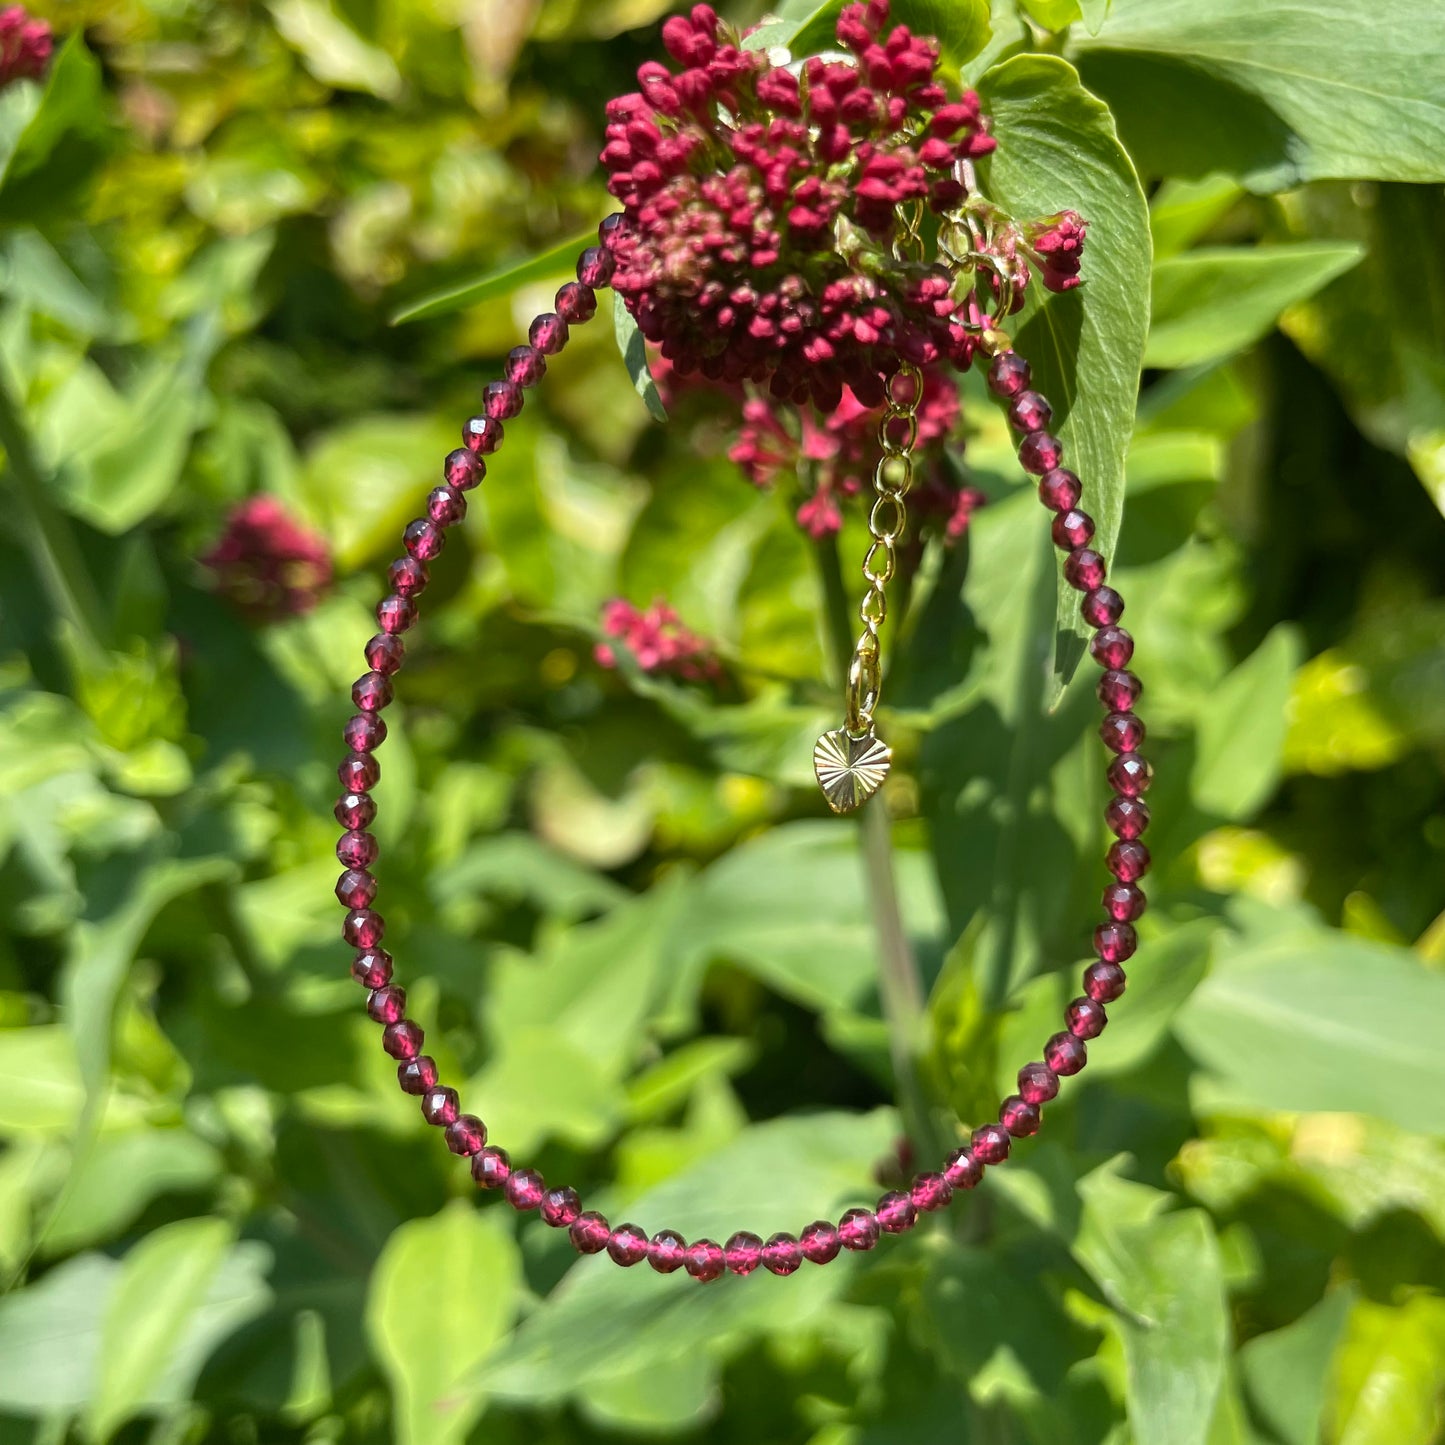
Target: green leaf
(1390,1374)
(40,1087)
(1182,211)
(332,51)
(459,1272)
(69,117)
(50,1336)
(556,261)
(1317,1020)
(1278,94)
(1242,732)
(633,347)
(1210,302)
(961,27)
(1286,1370)
(1058,149)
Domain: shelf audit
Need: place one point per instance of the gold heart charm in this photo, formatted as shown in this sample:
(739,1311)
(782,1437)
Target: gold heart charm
(850,769)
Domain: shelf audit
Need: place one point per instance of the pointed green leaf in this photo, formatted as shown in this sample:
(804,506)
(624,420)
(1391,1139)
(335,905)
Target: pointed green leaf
(1286,1370)
(633,347)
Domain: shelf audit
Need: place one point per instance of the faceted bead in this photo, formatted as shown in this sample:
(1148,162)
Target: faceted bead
(525,1189)
(1009,374)
(446,506)
(371,968)
(385,653)
(356,887)
(627,1245)
(408,577)
(364,733)
(482,434)
(1102,607)
(613,228)
(1104,982)
(1130,775)
(418,1074)
(502,400)
(1128,861)
(1115,942)
(929,1192)
(561,1206)
(962,1169)
(576,302)
(1127,817)
(743,1252)
(1112,647)
(526,366)
(1085,1019)
(463,469)
(466,1134)
(1040,452)
(1122,732)
(1124,902)
(895,1213)
(666,1251)
(356,850)
(595,266)
(589,1232)
(491,1167)
(371,691)
(782,1254)
(548,333)
(355,810)
(819,1242)
(396,614)
(705,1260)
(402,1040)
(423,539)
(363,928)
(1072,529)
(1119,691)
(359,773)
(1030,412)
(387,1005)
(858,1229)
(440,1106)
(991,1143)
(1084,569)
(1060,490)
(1019,1117)
(1038,1083)
(1065,1054)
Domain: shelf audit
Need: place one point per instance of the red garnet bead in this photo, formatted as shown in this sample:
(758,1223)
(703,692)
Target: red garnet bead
(463,469)
(1065,1054)
(466,1134)
(364,733)
(363,928)
(1115,942)
(1130,775)
(1019,1117)
(408,577)
(589,1232)
(666,1251)
(743,1252)
(482,434)
(705,1260)
(1119,691)
(359,773)
(1128,861)
(446,506)
(1038,1083)
(1084,569)
(1072,529)
(372,690)
(548,333)
(387,1005)
(372,968)
(1039,452)
(1060,490)
(1030,412)
(576,302)
(355,810)
(990,1144)
(929,1192)
(502,400)
(627,1245)
(896,1213)
(1122,732)
(491,1167)
(561,1206)
(1104,982)
(385,653)
(595,266)
(440,1106)
(858,1229)
(1127,817)
(403,1041)
(1009,374)
(417,1074)
(396,614)
(1112,647)
(1102,607)
(1085,1018)
(526,365)
(782,1254)
(355,889)
(525,1189)
(962,1169)
(819,1242)
(423,539)
(356,850)
(1124,902)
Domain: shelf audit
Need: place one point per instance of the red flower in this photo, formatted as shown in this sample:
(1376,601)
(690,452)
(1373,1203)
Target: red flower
(1060,243)
(25,45)
(658,642)
(268,565)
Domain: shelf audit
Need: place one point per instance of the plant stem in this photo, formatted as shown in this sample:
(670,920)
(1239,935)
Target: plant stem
(900,986)
(54,552)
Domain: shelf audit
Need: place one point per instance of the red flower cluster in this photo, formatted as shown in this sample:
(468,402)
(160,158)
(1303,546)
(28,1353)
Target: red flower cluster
(268,565)
(658,641)
(1060,244)
(762,207)
(25,45)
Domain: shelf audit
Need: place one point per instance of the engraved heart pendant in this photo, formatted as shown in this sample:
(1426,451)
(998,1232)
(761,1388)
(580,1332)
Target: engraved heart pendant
(850,769)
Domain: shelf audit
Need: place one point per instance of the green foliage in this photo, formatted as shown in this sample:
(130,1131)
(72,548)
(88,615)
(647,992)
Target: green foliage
(620,911)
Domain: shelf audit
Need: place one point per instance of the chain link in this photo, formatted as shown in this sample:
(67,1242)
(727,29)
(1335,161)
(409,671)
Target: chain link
(888,516)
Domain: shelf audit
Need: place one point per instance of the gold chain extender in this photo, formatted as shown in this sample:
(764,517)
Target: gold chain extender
(852,762)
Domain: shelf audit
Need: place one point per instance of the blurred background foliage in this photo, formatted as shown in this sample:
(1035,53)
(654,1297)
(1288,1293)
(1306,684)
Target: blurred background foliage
(620,911)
